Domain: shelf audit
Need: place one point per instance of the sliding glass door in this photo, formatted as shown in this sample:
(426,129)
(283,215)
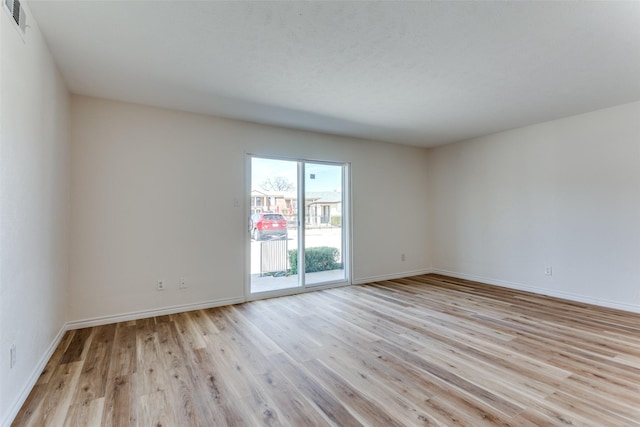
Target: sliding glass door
(296,204)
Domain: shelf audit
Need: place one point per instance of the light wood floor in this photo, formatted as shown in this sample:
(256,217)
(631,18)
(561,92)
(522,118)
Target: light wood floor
(429,350)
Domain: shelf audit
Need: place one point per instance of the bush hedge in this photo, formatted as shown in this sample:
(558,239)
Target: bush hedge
(322,258)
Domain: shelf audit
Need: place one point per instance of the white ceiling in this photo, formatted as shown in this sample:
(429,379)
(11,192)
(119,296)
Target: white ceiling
(420,73)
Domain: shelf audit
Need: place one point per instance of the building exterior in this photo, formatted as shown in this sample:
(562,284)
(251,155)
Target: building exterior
(322,208)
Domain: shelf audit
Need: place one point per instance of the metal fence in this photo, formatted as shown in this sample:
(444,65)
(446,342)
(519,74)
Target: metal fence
(274,256)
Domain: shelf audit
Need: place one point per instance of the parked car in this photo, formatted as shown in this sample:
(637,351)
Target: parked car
(266,224)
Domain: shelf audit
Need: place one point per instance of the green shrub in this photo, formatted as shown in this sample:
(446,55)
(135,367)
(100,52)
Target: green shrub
(322,258)
(336,220)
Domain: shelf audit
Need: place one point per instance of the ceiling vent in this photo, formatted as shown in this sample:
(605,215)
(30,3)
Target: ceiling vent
(16,11)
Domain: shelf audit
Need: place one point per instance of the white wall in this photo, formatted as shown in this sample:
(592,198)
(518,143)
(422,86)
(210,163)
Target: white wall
(153,195)
(564,194)
(34,208)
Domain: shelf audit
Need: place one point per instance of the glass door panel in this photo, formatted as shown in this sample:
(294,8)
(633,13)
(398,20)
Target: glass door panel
(323,223)
(272,225)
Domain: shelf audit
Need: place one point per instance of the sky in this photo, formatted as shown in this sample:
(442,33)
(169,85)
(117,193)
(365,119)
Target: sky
(327,177)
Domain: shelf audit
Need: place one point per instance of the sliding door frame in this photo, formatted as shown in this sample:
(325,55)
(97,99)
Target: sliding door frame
(346,234)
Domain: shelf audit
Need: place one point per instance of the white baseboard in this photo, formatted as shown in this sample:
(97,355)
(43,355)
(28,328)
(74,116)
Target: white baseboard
(105,320)
(371,279)
(33,378)
(542,291)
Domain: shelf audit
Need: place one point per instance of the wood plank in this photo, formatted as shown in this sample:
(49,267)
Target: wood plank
(293,409)
(241,362)
(365,409)
(60,396)
(120,403)
(120,406)
(123,361)
(324,400)
(156,410)
(150,377)
(32,411)
(219,398)
(56,357)
(93,379)
(179,385)
(85,414)
(355,366)
(78,346)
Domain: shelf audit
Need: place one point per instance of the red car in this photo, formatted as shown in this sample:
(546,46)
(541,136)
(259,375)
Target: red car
(268,224)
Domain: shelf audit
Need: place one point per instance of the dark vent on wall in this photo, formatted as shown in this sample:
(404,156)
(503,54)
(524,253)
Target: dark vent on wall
(17,13)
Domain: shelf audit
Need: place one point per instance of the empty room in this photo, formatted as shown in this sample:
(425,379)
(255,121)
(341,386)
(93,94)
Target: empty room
(239,213)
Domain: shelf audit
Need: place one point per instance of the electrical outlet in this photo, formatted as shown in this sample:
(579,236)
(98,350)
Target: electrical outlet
(160,285)
(12,356)
(182,284)
(403,257)
(548,271)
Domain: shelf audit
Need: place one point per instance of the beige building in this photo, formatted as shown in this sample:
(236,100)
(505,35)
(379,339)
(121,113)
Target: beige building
(269,201)
(322,208)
